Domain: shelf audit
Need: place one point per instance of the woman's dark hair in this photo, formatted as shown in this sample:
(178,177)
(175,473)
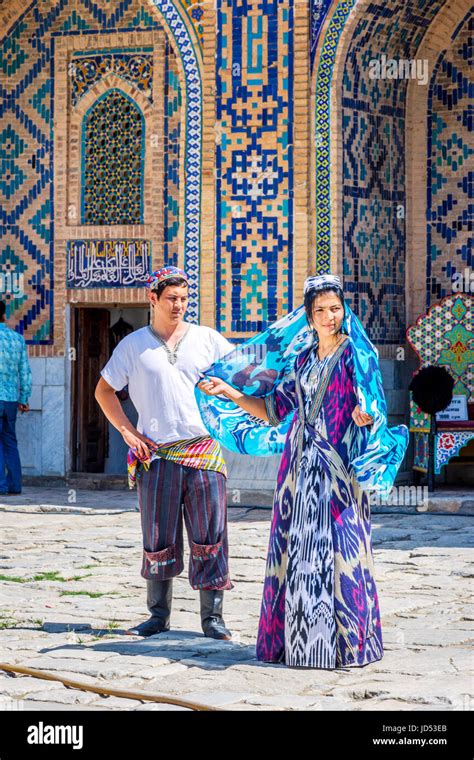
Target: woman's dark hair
(3,308)
(176,281)
(312,294)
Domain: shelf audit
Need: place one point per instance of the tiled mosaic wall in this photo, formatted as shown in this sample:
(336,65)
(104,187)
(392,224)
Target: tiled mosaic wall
(173,105)
(374,188)
(257,206)
(450,164)
(26,187)
(27,60)
(254,163)
(113,150)
(319,10)
(325,51)
(134,67)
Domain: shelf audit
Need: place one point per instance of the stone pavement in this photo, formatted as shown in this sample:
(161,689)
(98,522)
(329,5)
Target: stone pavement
(70,586)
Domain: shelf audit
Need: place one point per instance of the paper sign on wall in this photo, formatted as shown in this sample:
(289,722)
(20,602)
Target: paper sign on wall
(456,411)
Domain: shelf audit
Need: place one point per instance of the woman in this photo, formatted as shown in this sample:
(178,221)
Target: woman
(320,607)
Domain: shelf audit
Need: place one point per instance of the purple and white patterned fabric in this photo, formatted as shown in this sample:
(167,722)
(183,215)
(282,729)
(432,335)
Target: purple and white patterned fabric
(320,607)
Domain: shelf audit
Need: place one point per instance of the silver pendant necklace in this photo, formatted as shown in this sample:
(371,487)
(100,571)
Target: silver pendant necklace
(314,375)
(171,353)
(332,349)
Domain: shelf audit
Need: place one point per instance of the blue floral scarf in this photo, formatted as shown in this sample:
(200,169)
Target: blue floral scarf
(257,365)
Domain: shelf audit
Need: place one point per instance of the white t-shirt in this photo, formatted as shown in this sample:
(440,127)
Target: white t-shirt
(163,393)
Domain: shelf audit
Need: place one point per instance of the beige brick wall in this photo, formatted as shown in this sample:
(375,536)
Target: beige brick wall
(208,259)
(10,11)
(303,255)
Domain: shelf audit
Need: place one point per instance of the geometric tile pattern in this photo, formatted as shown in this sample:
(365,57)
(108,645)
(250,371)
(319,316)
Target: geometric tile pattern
(41,100)
(374,184)
(13,272)
(113,137)
(421,451)
(373,123)
(254,158)
(39,221)
(319,10)
(172,137)
(445,336)
(419,420)
(12,52)
(450,164)
(192,158)
(133,67)
(195,12)
(322,133)
(254,152)
(12,147)
(26,181)
(26,129)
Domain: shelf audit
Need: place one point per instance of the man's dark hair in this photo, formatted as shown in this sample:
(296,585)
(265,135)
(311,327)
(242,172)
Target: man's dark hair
(176,281)
(3,308)
(312,294)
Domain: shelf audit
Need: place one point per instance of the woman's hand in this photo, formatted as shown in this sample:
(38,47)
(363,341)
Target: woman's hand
(138,442)
(361,418)
(214,386)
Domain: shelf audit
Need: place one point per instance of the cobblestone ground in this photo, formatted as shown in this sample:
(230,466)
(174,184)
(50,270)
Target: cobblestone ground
(70,586)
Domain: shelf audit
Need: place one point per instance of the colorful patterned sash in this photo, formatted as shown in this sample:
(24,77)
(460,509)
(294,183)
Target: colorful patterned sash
(203,453)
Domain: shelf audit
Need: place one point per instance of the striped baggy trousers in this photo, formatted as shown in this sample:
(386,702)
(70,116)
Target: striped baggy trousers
(166,491)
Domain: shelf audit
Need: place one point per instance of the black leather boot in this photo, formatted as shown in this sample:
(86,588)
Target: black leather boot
(158,598)
(212,603)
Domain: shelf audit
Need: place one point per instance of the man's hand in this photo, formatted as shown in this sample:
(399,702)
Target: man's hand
(23,408)
(107,399)
(361,418)
(138,442)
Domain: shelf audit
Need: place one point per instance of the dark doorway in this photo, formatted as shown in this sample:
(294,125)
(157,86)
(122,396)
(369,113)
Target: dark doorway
(89,424)
(97,447)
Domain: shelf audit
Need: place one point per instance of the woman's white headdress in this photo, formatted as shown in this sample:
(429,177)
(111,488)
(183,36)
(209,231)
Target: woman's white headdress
(319,281)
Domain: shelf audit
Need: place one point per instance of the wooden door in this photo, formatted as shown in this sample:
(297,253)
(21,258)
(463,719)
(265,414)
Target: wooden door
(92,344)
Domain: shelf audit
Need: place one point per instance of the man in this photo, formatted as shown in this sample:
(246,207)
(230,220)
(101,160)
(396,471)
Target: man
(15,390)
(176,462)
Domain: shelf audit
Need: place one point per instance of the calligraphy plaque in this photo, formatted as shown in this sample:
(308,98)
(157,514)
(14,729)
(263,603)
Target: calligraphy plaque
(108,263)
